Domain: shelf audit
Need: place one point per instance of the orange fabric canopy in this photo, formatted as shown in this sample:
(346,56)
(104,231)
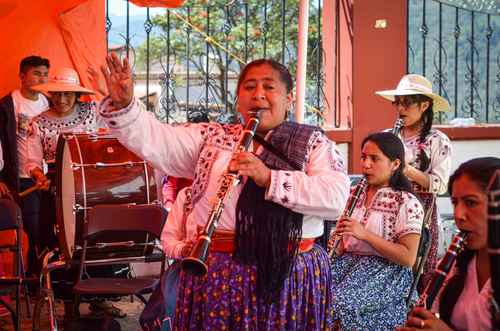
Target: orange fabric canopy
(70,33)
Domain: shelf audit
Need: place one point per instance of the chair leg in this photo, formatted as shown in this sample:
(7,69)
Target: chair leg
(76,306)
(27,300)
(13,313)
(18,306)
(37,309)
(26,292)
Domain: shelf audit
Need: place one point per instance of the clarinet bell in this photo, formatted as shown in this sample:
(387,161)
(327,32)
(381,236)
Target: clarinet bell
(195,263)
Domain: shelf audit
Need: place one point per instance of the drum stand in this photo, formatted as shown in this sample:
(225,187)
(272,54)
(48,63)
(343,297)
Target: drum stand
(46,292)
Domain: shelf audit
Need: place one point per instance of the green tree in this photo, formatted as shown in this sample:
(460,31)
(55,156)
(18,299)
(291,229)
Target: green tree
(229,29)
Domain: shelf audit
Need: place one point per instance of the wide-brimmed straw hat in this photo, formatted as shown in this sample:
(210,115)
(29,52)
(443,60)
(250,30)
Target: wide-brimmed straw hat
(416,84)
(63,80)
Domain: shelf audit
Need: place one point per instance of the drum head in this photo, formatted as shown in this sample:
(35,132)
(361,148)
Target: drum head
(65,214)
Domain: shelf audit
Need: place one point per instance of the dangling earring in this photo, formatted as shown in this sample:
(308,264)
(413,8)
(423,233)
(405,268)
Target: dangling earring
(290,111)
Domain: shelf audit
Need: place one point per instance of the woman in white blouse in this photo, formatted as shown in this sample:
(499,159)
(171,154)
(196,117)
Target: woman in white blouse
(428,151)
(465,300)
(371,268)
(264,270)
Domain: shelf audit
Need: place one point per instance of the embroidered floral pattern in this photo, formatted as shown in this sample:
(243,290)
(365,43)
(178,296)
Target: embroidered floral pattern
(225,298)
(50,127)
(216,138)
(399,212)
(437,147)
(336,159)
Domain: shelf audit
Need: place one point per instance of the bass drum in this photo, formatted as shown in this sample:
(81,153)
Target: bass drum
(95,169)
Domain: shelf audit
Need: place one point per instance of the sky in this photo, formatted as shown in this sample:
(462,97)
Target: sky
(119,8)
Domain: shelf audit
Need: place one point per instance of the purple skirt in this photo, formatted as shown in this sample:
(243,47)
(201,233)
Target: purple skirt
(225,299)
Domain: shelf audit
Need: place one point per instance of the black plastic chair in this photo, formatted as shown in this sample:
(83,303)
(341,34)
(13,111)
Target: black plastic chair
(116,228)
(10,219)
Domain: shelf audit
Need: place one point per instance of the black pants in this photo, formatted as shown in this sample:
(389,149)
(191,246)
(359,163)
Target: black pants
(30,207)
(48,239)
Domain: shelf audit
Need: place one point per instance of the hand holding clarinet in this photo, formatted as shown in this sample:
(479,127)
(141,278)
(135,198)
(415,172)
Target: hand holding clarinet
(346,224)
(420,317)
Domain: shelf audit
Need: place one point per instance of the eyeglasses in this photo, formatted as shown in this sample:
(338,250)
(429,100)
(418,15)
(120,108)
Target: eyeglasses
(405,101)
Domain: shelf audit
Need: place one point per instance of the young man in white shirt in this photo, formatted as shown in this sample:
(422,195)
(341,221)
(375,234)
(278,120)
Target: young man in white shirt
(17,109)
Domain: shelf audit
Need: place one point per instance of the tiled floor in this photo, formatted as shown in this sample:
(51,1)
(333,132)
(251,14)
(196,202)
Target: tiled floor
(128,323)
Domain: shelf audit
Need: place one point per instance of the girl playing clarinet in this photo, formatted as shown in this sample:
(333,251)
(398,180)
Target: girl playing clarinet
(464,302)
(428,151)
(371,269)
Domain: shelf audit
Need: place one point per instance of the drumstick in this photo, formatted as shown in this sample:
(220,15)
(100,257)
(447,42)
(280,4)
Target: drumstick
(29,190)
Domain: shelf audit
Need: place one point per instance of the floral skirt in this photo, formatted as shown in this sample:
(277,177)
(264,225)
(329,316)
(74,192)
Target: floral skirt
(225,299)
(369,292)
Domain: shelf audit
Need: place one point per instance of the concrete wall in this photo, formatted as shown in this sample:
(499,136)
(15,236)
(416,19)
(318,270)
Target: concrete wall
(464,150)
(379,62)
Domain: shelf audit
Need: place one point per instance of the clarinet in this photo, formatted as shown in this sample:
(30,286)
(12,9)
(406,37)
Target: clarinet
(398,124)
(351,204)
(494,245)
(195,263)
(432,289)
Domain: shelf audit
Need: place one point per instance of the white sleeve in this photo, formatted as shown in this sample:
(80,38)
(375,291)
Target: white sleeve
(440,167)
(172,150)
(410,217)
(322,190)
(173,238)
(34,157)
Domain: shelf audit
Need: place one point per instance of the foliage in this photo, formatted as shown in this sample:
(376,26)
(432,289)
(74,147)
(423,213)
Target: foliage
(246,36)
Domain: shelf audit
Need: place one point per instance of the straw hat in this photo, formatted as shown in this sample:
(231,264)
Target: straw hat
(63,80)
(416,84)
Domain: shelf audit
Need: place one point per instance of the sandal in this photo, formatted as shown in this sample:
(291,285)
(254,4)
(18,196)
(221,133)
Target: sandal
(107,308)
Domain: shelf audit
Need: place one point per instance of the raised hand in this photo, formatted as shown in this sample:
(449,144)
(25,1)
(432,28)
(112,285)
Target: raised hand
(97,83)
(118,77)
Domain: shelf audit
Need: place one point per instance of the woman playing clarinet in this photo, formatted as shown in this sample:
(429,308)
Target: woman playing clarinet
(428,151)
(264,271)
(371,268)
(464,302)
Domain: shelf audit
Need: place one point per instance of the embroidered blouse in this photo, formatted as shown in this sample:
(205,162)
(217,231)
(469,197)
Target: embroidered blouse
(203,151)
(472,310)
(391,215)
(437,147)
(49,127)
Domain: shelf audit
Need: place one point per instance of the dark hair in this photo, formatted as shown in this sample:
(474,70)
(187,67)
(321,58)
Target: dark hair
(478,170)
(393,148)
(426,119)
(285,75)
(31,62)
(198,116)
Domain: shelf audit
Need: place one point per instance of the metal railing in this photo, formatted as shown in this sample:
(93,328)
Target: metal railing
(187,60)
(457,49)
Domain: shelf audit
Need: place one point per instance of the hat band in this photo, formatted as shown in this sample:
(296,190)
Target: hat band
(418,87)
(65,80)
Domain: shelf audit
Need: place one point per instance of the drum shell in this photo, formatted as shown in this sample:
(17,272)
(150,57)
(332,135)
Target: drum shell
(95,170)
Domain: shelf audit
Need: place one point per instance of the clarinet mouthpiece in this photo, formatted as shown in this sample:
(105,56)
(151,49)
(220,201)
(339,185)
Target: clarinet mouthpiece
(255,113)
